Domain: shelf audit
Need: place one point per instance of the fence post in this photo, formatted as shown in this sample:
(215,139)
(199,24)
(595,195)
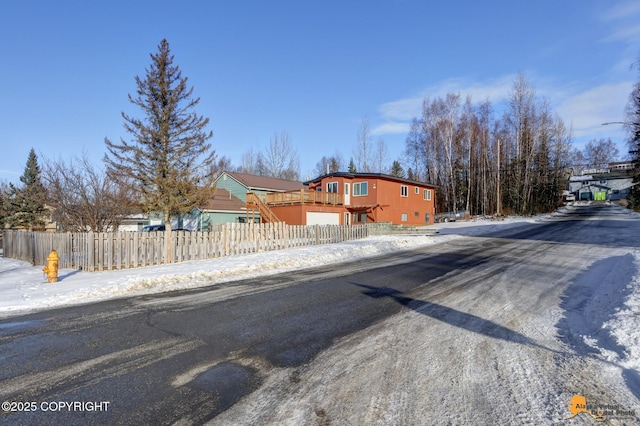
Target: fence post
(224,240)
(90,252)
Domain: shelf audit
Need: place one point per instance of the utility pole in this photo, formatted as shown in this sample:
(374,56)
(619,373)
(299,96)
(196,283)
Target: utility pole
(499,195)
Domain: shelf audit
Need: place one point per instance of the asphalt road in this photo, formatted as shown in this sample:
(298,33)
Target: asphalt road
(188,357)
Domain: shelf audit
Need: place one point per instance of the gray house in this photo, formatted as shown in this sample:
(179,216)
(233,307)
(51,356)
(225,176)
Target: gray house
(611,186)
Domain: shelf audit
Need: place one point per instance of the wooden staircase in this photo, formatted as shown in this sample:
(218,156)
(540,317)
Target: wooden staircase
(255,203)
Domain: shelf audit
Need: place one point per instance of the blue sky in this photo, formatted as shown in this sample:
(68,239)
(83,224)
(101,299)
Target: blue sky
(311,68)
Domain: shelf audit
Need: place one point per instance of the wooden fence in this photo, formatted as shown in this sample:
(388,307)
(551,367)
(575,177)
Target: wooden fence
(93,251)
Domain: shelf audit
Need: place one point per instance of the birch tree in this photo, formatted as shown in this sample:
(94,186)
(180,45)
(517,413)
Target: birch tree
(280,158)
(363,151)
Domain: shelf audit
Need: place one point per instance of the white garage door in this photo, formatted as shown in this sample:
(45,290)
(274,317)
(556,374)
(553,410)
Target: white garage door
(322,218)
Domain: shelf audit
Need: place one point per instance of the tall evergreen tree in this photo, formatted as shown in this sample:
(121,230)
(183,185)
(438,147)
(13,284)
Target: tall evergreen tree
(25,204)
(411,175)
(5,206)
(397,170)
(352,166)
(633,127)
(168,161)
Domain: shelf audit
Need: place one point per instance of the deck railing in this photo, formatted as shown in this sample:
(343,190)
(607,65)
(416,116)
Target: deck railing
(304,197)
(256,202)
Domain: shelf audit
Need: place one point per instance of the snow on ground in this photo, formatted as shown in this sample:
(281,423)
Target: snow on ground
(24,288)
(614,279)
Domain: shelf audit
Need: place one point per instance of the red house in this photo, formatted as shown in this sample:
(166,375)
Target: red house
(348,198)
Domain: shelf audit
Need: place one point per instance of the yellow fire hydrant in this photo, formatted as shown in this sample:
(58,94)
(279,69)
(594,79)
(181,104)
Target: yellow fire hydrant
(51,268)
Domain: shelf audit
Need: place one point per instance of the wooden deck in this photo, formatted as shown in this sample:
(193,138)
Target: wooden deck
(304,197)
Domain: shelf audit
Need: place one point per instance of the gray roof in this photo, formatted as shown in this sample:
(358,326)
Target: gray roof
(266,183)
(224,200)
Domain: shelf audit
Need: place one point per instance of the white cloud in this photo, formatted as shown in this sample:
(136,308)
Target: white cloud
(403,109)
(396,115)
(623,18)
(628,33)
(392,128)
(622,11)
(587,110)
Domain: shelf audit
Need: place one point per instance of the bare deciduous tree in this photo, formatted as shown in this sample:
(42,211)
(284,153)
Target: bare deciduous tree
(280,158)
(222,164)
(514,164)
(599,153)
(248,163)
(332,164)
(363,151)
(380,158)
(84,199)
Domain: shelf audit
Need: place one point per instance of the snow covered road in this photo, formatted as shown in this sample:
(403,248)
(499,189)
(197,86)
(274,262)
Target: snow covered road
(510,340)
(516,326)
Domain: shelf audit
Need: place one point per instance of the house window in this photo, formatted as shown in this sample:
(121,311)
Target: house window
(417,214)
(360,189)
(332,187)
(427,194)
(404,191)
(405,217)
(417,190)
(363,217)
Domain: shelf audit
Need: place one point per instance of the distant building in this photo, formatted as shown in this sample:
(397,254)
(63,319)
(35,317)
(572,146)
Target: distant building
(611,184)
(134,222)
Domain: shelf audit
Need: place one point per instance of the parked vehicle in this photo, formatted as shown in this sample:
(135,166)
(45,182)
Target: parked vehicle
(445,217)
(452,216)
(153,228)
(156,228)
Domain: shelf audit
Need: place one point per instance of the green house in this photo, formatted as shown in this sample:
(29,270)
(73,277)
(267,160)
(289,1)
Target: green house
(229,202)
(224,207)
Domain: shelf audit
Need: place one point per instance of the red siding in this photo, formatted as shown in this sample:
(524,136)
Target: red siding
(297,214)
(385,202)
